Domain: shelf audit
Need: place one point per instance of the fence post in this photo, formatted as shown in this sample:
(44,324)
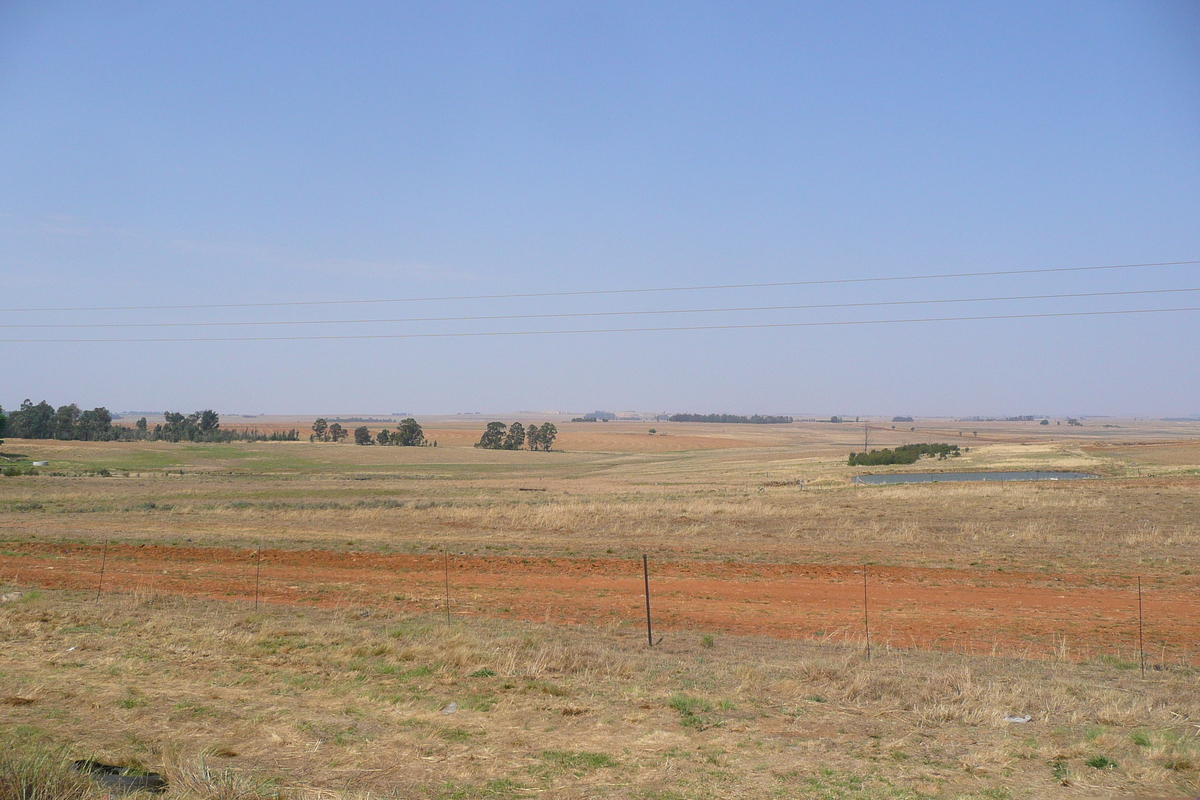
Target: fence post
(646,578)
(446,563)
(257,573)
(1141,641)
(866,618)
(103,562)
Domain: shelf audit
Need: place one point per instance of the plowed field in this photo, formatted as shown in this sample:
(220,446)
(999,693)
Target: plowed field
(1027,614)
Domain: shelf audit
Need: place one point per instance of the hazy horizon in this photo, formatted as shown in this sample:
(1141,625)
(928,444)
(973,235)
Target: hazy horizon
(798,416)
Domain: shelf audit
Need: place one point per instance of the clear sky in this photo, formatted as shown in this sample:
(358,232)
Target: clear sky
(171,153)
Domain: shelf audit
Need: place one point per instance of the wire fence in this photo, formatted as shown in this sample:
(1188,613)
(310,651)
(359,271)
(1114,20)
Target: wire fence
(1144,623)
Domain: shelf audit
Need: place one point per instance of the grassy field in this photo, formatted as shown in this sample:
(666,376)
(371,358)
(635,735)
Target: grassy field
(336,687)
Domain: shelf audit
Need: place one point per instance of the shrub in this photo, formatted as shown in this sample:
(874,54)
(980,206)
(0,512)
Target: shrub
(904,454)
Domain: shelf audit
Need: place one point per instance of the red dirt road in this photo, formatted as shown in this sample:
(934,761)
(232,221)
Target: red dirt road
(1007,613)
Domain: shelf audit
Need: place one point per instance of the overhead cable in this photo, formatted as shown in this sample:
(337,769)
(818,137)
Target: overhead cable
(748,326)
(594,292)
(576,314)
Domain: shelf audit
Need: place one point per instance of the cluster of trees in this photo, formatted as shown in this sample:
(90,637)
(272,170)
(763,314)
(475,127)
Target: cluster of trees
(69,422)
(756,419)
(204,426)
(322,431)
(195,427)
(43,421)
(499,436)
(904,454)
(407,434)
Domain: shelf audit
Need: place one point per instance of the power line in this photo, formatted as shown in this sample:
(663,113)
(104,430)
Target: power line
(577,314)
(466,334)
(593,292)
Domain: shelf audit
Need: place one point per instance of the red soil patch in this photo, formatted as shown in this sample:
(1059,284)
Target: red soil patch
(1005,613)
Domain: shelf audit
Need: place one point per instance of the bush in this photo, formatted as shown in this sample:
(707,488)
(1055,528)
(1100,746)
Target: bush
(16,470)
(904,454)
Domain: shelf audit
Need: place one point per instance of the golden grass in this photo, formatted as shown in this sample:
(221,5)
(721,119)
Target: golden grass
(337,704)
(1131,524)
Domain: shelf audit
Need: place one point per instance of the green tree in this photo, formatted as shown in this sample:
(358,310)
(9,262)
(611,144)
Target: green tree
(140,426)
(3,424)
(320,429)
(30,421)
(533,437)
(515,439)
(547,435)
(408,434)
(177,428)
(94,425)
(384,436)
(209,421)
(493,437)
(362,435)
(337,432)
(63,421)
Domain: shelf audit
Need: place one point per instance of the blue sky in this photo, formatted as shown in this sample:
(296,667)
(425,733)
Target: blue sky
(197,154)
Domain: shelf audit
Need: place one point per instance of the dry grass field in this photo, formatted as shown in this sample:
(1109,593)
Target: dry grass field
(986,600)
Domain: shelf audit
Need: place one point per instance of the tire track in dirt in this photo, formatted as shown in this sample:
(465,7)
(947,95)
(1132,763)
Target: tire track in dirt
(1007,613)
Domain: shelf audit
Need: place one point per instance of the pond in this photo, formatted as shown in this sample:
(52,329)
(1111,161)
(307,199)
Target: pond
(939,477)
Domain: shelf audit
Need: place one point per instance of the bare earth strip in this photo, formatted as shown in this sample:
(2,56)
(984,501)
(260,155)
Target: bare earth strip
(1026,614)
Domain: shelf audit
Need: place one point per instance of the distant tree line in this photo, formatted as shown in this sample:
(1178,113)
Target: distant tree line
(756,419)
(904,454)
(407,434)
(499,436)
(595,416)
(70,423)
